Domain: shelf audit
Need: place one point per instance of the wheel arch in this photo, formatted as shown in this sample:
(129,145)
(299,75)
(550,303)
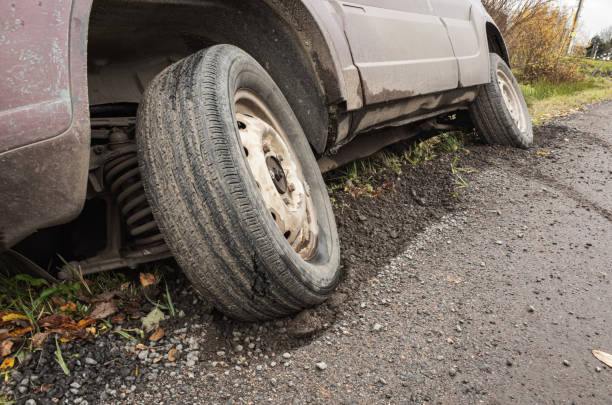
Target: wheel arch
(130,41)
(496,42)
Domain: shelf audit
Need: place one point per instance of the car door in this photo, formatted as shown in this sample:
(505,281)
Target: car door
(469,45)
(401,48)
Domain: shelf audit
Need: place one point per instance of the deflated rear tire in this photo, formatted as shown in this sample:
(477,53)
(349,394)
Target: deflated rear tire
(235,188)
(499,112)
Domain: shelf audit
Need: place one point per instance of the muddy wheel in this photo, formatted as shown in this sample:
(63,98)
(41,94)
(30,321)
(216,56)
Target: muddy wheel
(499,112)
(235,188)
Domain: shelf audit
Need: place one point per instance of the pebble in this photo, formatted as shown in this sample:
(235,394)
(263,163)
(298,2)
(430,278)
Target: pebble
(321,365)
(377,327)
(509,363)
(452,372)
(566,363)
(286,355)
(531,308)
(30,402)
(90,361)
(598,369)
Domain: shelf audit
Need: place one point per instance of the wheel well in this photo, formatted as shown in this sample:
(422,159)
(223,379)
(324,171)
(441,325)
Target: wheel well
(496,42)
(130,41)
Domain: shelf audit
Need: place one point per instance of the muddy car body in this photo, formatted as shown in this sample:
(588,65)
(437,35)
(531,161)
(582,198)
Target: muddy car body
(75,72)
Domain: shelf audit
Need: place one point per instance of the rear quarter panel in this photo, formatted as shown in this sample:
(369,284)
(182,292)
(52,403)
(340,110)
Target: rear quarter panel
(44,114)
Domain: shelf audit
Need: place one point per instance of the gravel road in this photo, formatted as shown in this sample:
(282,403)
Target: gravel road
(494,293)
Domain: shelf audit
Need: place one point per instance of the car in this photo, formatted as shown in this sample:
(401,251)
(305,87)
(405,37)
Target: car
(137,130)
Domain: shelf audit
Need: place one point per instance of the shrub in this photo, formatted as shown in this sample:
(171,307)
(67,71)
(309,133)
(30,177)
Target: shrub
(537,33)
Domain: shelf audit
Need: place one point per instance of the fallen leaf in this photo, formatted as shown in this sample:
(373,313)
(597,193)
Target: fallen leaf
(69,306)
(172,355)
(64,339)
(105,296)
(147,279)
(542,153)
(6,347)
(140,346)
(39,339)
(12,317)
(85,322)
(604,357)
(157,335)
(55,320)
(59,301)
(91,330)
(152,320)
(119,318)
(136,372)
(20,332)
(7,363)
(103,309)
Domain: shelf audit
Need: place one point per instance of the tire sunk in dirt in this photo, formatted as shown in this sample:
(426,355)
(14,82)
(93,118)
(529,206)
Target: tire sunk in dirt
(220,218)
(499,112)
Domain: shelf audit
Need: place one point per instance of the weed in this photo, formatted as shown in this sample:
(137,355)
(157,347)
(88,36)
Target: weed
(457,173)
(171,308)
(60,359)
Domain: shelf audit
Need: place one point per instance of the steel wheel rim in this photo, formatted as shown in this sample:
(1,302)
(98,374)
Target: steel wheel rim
(512,100)
(277,172)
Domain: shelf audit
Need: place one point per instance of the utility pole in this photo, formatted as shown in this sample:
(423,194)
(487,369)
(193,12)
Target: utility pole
(574,26)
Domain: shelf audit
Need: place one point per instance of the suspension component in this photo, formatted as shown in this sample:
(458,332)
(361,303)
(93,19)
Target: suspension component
(122,178)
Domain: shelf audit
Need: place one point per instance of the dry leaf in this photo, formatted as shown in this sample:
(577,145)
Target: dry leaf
(103,309)
(91,330)
(152,320)
(119,318)
(58,301)
(6,347)
(147,279)
(39,338)
(105,296)
(55,320)
(140,346)
(172,355)
(69,306)
(604,357)
(7,363)
(157,335)
(20,332)
(12,317)
(64,339)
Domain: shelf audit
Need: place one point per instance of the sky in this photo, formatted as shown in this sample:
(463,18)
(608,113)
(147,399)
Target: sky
(596,15)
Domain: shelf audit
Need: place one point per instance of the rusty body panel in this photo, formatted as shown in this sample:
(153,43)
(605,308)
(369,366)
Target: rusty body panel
(45,135)
(346,67)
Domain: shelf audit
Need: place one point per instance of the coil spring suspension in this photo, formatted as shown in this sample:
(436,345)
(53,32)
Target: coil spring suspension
(122,176)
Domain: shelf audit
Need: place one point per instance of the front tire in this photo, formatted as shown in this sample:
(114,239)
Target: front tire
(499,112)
(235,188)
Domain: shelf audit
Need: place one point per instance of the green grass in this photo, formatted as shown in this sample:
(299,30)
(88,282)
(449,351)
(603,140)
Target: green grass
(548,100)
(543,90)
(359,173)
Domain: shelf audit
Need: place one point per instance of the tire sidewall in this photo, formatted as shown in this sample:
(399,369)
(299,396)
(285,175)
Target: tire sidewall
(518,137)
(237,70)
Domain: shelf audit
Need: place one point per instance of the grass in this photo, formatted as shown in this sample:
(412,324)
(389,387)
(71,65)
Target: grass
(548,100)
(358,174)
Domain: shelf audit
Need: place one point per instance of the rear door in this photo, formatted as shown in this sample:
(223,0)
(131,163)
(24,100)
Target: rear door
(460,18)
(401,48)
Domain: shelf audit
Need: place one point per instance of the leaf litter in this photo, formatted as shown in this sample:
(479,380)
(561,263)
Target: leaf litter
(32,309)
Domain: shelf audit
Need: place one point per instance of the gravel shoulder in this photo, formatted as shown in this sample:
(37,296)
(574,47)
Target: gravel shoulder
(495,293)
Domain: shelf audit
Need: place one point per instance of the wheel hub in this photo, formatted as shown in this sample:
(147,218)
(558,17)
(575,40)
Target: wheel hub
(278,174)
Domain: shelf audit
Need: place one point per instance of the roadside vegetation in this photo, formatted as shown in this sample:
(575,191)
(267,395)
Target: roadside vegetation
(33,311)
